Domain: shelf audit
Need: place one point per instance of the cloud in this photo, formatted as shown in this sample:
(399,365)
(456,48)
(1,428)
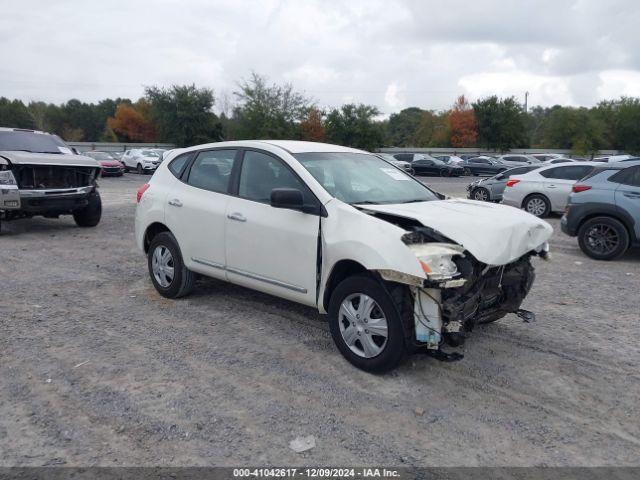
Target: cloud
(390,53)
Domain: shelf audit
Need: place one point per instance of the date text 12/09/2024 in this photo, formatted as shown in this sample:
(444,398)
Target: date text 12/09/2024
(315,473)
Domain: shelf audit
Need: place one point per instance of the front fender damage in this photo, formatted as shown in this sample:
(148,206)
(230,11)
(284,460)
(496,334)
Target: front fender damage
(446,308)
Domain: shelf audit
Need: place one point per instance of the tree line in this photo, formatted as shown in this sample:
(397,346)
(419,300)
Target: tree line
(184,115)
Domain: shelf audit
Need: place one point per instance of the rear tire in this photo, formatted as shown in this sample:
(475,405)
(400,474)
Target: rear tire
(173,280)
(385,353)
(537,205)
(603,238)
(90,215)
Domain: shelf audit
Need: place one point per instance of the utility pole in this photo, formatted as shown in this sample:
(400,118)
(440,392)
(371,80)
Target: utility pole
(526,98)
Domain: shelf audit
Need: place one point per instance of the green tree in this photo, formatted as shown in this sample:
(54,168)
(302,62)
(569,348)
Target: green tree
(402,126)
(14,113)
(501,123)
(354,126)
(183,115)
(577,129)
(433,130)
(622,123)
(268,111)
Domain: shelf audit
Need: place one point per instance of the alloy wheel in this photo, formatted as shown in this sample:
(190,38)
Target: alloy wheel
(536,206)
(481,194)
(162,266)
(363,325)
(602,239)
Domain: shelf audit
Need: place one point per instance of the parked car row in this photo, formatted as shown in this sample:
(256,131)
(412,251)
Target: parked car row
(140,160)
(600,202)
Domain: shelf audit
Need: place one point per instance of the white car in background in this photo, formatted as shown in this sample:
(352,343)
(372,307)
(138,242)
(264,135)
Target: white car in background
(545,189)
(141,160)
(613,158)
(397,267)
(517,160)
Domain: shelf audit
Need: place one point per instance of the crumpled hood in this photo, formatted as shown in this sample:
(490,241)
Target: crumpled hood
(29,158)
(494,234)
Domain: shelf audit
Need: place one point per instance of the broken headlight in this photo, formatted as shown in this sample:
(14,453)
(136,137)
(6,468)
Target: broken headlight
(7,178)
(436,259)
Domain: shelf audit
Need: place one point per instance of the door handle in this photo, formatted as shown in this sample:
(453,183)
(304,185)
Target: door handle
(551,186)
(238,217)
(175,203)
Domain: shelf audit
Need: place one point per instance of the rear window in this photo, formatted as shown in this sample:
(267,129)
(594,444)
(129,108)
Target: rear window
(178,164)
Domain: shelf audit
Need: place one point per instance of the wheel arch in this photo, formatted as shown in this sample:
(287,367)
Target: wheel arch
(151,232)
(611,214)
(341,269)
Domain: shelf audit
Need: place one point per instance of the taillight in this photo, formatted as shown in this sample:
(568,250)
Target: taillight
(511,183)
(580,188)
(141,191)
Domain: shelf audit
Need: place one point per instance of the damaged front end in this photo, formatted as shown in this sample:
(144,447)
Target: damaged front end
(459,291)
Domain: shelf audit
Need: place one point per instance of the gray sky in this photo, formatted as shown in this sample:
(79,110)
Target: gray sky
(391,53)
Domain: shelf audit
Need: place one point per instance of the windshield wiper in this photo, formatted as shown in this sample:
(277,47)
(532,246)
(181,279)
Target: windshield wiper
(365,202)
(416,200)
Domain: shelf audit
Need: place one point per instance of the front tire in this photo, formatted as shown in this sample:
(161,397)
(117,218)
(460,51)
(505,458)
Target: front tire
(603,238)
(168,273)
(90,215)
(139,169)
(365,324)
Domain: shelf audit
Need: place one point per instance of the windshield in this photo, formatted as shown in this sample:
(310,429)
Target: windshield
(32,142)
(150,153)
(363,178)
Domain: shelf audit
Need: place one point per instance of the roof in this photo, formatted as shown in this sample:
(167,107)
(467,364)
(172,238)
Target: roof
(9,129)
(297,146)
(617,165)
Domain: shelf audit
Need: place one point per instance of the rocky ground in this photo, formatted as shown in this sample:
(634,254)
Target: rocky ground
(97,369)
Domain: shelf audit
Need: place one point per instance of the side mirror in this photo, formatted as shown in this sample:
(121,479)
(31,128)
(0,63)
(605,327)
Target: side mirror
(290,198)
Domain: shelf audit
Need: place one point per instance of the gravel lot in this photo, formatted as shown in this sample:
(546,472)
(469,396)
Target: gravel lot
(97,369)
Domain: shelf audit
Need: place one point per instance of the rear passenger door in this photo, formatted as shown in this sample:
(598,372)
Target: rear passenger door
(628,194)
(196,211)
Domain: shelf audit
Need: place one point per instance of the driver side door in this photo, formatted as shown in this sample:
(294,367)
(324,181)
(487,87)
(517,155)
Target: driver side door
(274,250)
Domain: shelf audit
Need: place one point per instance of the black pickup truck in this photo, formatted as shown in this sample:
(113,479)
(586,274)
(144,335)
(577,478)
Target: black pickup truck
(41,175)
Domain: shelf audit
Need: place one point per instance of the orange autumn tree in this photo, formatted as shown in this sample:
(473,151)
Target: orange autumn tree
(131,124)
(462,124)
(311,128)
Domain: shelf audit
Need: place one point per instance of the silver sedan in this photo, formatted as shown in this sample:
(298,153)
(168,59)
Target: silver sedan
(545,189)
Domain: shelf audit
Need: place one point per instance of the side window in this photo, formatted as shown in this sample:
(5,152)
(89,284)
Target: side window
(567,173)
(628,176)
(261,173)
(177,164)
(211,170)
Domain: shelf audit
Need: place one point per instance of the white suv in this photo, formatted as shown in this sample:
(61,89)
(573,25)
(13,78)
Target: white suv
(141,160)
(395,265)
